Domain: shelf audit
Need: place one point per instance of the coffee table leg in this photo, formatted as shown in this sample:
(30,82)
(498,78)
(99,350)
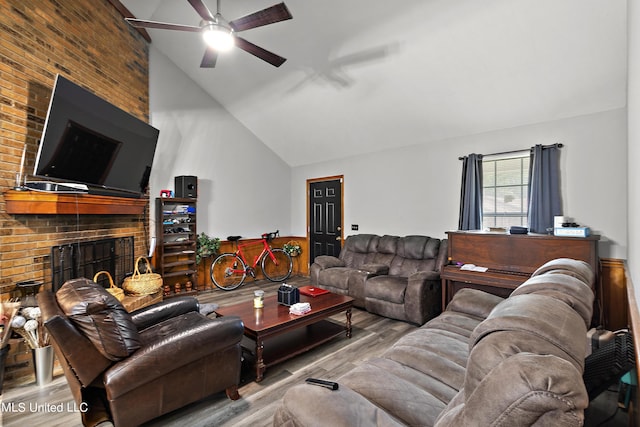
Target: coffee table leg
(348,325)
(260,367)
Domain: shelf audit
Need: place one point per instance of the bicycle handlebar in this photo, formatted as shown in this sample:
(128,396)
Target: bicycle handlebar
(270,236)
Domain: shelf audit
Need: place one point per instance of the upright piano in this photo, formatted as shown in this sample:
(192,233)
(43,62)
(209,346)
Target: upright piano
(509,258)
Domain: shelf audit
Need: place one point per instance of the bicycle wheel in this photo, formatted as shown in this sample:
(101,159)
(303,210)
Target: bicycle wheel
(228,271)
(277,270)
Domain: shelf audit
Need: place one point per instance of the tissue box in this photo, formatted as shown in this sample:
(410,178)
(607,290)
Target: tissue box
(288,295)
(572,231)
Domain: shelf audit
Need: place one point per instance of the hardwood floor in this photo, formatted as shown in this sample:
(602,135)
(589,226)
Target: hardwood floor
(372,335)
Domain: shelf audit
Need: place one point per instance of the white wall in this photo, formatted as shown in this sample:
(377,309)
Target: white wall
(416,190)
(243,187)
(413,190)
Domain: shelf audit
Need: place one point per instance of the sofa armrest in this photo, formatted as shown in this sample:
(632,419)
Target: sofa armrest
(421,276)
(524,389)
(375,269)
(328,261)
(443,255)
(82,357)
(159,357)
(422,299)
(74,348)
(156,313)
(473,302)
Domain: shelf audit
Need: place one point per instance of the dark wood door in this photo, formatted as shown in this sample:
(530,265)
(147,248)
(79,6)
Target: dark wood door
(325,218)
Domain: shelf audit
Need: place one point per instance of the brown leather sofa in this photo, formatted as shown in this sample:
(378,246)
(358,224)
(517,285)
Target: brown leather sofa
(395,277)
(485,361)
(131,368)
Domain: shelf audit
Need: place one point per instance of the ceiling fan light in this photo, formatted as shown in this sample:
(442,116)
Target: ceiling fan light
(218,37)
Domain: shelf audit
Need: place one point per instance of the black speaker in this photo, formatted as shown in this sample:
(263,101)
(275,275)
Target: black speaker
(186,186)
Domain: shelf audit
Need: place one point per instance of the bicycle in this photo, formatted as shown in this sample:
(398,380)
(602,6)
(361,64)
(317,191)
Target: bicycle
(229,270)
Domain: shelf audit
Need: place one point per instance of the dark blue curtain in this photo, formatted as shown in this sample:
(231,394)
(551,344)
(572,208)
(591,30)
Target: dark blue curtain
(471,193)
(544,188)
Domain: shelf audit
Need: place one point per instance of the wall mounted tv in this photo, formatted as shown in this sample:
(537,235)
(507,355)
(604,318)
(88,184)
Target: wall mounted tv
(87,140)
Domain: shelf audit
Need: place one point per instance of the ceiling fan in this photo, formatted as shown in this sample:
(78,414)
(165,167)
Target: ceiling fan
(220,34)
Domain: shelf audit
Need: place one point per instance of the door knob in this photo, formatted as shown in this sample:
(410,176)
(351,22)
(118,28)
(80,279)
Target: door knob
(339,228)
(338,238)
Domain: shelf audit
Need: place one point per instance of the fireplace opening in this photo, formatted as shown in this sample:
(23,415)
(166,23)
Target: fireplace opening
(85,259)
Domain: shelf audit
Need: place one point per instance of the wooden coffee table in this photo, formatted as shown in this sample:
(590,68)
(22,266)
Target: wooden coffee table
(279,335)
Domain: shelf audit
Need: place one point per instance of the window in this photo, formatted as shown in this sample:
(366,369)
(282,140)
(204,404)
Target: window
(505,186)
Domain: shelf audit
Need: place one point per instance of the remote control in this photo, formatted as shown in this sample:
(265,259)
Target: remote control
(323,383)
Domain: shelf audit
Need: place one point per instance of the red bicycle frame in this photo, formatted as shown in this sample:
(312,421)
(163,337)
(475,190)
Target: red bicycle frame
(266,249)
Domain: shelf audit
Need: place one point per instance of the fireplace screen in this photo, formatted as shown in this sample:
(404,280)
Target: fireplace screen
(85,259)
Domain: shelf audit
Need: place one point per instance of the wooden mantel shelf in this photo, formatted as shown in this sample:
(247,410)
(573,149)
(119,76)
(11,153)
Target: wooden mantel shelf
(40,203)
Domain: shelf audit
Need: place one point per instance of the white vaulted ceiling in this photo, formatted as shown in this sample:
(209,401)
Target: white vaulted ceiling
(365,75)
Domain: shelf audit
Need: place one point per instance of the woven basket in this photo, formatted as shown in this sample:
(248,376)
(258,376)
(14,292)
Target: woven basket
(142,284)
(112,289)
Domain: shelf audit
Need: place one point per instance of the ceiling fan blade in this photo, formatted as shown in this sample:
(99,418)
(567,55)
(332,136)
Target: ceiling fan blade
(261,53)
(270,15)
(209,59)
(141,23)
(202,10)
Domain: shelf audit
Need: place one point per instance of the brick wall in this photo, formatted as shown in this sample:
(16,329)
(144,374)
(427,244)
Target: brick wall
(88,42)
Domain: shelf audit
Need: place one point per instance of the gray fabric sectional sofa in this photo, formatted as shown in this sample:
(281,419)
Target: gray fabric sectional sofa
(485,361)
(395,277)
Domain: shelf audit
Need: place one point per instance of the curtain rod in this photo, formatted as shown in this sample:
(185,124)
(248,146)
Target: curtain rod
(558,145)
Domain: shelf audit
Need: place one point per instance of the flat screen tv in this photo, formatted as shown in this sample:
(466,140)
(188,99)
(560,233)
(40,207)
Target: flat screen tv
(89,141)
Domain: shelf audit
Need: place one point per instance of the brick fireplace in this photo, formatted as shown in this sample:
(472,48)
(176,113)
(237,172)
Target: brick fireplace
(88,42)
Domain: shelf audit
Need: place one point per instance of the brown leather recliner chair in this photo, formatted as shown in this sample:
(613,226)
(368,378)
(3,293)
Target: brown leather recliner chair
(131,368)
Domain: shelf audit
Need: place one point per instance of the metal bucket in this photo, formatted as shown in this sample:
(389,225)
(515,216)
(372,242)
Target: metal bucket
(43,364)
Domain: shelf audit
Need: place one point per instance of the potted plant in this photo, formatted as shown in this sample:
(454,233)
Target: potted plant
(292,248)
(206,246)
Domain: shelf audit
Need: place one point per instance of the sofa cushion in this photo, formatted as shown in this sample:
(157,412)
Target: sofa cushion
(415,253)
(382,259)
(388,245)
(523,390)
(569,289)
(337,277)
(405,267)
(395,391)
(542,317)
(386,288)
(362,243)
(418,247)
(100,317)
(335,408)
(359,249)
(438,354)
(420,373)
(525,323)
(474,302)
(571,267)
(327,261)
(528,355)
